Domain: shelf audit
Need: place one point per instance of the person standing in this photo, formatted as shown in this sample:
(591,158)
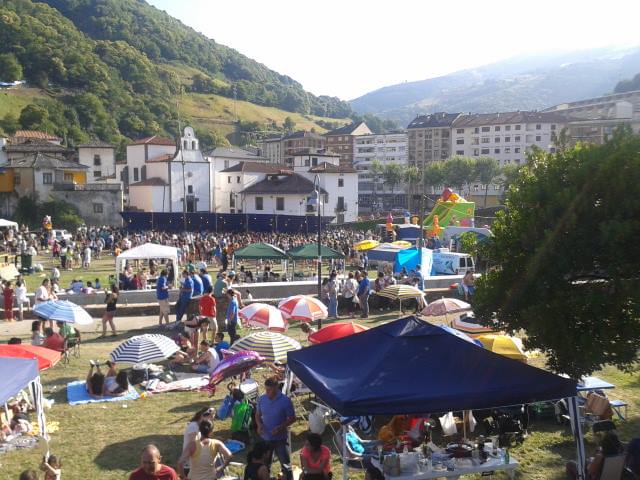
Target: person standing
(111,300)
(349,294)
(198,286)
(202,454)
(162,294)
(420,279)
(207,308)
(363,294)
(274,416)
(219,293)
(332,291)
(207,282)
(186,293)
(151,467)
(232,315)
(7,293)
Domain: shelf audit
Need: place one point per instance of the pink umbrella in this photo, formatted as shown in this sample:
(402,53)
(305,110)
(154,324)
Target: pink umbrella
(445,306)
(303,308)
(264,316)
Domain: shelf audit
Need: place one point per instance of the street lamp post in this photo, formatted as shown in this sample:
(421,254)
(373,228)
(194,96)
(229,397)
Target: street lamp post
(314,201)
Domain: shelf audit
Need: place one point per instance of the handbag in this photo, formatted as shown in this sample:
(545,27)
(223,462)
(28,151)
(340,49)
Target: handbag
(241,420)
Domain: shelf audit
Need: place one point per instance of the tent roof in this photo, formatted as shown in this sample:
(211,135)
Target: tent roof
(260,251)
(150,250)
(310,250)
(7,223)
(16,374)
(409,366)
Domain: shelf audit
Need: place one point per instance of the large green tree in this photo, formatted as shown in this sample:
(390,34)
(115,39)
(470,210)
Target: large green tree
(412,177)
(486,170)
(433,175)
(567,258)
(393,175)
(459,171)
(10,68)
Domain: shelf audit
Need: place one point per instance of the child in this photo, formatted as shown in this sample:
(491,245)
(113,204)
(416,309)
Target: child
(52,468)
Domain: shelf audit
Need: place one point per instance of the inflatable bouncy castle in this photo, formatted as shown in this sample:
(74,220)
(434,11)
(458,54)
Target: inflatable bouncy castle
(450,210)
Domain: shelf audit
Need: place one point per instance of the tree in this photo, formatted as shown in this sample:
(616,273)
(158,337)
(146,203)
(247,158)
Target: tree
(289,125)
(10,123)
(376,170)
(433,175)
(509,175)
(567,258)
(393,175)
(458,172)
(485,171)
(412,177)
(10,68)
(32,116)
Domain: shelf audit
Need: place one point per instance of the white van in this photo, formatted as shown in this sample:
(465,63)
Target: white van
(60,235)
(452,263)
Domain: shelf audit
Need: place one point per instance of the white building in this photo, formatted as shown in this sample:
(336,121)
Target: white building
(100,160)
(387,149)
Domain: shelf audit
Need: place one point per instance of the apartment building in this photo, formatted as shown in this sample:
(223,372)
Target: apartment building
(341,141)
(429,138)
(387,149)
(271,148)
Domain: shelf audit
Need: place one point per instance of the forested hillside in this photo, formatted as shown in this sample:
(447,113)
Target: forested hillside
(110,69)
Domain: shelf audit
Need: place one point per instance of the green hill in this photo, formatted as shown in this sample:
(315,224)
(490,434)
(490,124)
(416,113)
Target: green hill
(116,69)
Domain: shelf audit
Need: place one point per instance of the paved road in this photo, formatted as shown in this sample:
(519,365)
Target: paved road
(21,329)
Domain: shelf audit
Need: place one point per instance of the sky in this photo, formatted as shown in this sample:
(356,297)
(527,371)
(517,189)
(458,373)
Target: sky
(347,48)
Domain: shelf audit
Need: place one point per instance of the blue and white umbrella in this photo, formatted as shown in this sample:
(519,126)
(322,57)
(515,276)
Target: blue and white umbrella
(461,335)
(144,348)
(63,311)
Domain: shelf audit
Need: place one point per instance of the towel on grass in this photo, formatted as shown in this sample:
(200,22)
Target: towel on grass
(77,394)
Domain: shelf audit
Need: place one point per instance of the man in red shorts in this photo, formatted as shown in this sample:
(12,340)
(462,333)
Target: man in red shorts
(207,307)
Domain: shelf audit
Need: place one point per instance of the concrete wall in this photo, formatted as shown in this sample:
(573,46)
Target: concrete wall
(107,165)
(197,176)
(92,195)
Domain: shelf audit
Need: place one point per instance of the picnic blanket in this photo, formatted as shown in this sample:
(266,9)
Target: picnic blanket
(77,394)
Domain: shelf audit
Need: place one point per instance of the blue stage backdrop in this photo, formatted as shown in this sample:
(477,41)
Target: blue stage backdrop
(221,222)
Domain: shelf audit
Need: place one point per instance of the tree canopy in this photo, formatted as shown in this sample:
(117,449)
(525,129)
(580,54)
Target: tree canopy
(566,256)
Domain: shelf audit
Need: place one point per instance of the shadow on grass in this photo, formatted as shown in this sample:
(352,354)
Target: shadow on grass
(191,408)
(127,453)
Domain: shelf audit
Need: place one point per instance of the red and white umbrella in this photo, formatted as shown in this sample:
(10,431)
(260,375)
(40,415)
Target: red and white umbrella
(264,316)
(303,308)
(445,306)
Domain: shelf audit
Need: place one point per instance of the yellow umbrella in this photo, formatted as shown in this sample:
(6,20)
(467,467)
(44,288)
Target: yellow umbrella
(368,244)
(510,347)
(402,244)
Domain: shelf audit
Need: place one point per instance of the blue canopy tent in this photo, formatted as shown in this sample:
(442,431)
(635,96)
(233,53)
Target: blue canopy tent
(384,252)
(412,257)
(18,374)
(409,366)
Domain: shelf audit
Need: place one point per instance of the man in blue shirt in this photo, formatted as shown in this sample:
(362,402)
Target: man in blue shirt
(232,315)
(274,416)
(418,275)
(198,287)
(206,279)
(363,294)
(162,294)
(186,292)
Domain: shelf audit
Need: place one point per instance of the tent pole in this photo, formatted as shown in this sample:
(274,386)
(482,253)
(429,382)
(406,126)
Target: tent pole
(345,460)
(576,428)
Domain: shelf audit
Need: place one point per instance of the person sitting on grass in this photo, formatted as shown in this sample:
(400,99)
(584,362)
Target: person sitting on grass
(116,384)
(52,467)
(208,359)
(221,344)
(609,447)
(28,475)
(315,459)
(186,352)
(202,453)
(95,381)
(257,461)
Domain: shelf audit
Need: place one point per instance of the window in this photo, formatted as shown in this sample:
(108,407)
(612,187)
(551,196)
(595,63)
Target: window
(280,203)
(460,141)
(476,152)
(517,138)
(517,160)
(496,140)
(486,129)
(193,145)
(143,172)
(507,128)
(326,198)
(538,126)
(47,178)
(476,130)
(476,188)
(190,189)
(96,160)
(259,203)
(496,150)
(16,179)
(238,179)
(341,182)
(459,152)
(136,174)
(517,127)
(507,139)
(538,138)
(68,177)
(553,127)
(460,130)
(184,143)
(307,162)
(228,179)
(486,139)
(97,174)
(226,164)
(497,128)
(507,149)
(516,150)
(485,151)
(98,208)
(232,200)
(314,162)
(497,187)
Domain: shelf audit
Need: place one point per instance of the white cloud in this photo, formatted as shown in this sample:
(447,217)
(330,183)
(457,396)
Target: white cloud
(347,48)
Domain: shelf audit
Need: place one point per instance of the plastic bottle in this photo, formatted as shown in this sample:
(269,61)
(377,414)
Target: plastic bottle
(506,457)
(405,449)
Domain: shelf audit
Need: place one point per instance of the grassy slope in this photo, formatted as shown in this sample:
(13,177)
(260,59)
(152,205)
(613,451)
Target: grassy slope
(15,99)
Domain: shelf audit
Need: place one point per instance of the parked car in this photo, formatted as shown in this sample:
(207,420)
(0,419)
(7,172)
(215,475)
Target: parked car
(60,234)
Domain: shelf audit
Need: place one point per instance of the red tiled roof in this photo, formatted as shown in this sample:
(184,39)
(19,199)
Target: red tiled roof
(34,134)
(154,140)
(167,157)
(150,182)
(326,167)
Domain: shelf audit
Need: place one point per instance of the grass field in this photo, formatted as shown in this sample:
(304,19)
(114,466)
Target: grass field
(103,440)
(15,99)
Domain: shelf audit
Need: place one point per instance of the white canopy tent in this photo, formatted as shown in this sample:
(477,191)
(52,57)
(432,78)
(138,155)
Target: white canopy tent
(146,252)
(7,223)
(18,374)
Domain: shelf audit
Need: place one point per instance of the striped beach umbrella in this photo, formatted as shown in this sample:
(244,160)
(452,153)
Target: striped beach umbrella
(303,308)
(63,311)
(400,292)
(144,348)
(363,245)
(270,345)
(265,316)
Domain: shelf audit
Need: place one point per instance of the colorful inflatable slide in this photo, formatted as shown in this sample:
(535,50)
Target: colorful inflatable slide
(450,210)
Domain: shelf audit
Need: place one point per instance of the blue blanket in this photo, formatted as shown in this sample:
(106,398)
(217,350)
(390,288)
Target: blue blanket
(77,394)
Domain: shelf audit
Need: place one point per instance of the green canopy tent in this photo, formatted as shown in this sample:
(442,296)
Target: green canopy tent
(260,251)
(310,252)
